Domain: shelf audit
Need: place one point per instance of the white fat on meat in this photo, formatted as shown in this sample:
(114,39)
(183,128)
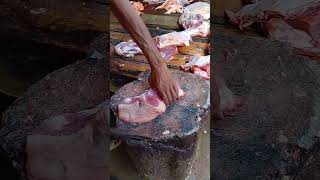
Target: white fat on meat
(195,18)
(127,49)
(182,38)
(199,65)
(202,30)
(188,20)
(143,108)
(201,8)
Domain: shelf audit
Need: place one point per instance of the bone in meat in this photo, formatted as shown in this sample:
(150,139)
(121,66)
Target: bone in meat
(199,65)
(143,108)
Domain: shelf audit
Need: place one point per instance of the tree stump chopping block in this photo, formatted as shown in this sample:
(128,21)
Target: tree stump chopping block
(166,146)
(76,87)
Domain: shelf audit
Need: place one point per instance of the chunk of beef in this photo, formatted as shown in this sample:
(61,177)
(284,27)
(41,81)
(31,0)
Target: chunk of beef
(142,108)
(199,65)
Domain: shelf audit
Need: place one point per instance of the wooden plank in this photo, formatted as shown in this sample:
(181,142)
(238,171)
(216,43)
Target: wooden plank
(154,20)
(175,62)
(195,48)
(131,67)
(120,65)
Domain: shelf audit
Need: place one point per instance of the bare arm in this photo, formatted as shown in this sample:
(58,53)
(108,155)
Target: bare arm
(161,78)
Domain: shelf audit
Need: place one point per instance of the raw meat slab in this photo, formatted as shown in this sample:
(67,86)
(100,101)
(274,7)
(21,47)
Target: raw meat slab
(180,119)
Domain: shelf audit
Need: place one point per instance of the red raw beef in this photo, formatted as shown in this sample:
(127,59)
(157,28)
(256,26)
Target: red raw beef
(143,108)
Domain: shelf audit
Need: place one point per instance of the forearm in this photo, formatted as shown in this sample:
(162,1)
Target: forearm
(130,20)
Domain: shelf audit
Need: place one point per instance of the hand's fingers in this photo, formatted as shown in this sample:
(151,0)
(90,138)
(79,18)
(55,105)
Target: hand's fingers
(164,98)
(168,93)
(173,94)
(176,89)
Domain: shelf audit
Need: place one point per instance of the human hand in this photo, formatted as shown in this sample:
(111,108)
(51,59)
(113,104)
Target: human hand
(161,79)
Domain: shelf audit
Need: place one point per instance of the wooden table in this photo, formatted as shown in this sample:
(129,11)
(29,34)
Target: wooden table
(158,23)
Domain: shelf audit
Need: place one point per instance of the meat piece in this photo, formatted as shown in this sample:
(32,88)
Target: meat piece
(308,22)
(267,9)
(70,146)
(296,19)
(188,20)
(279,30)
(182,38)
(168,52)
(138,6)
(196,19)
(199,65)
(202,30)
(173,6)
(201,8)
(143,108)
(130,48)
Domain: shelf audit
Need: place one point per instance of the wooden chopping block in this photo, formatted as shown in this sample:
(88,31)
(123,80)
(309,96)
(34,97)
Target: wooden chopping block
(73,88)
(152,156)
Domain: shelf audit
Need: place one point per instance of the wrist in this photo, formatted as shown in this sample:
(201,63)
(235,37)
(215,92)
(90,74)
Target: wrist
(161,67)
